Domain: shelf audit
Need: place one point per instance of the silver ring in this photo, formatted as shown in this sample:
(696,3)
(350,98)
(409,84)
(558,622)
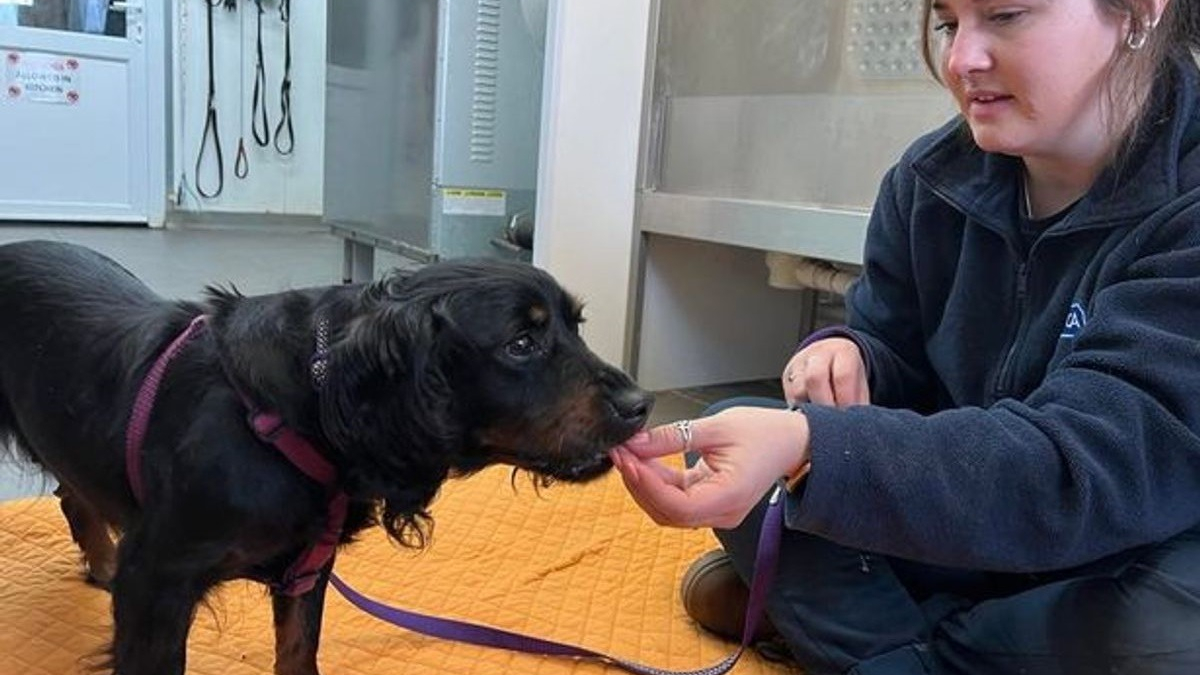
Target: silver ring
(684,429)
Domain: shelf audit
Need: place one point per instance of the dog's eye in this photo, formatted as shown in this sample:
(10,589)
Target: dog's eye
(522,346)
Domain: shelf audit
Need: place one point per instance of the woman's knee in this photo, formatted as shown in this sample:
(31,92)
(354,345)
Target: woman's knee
(743,402)
(1154,603)
(1141,617)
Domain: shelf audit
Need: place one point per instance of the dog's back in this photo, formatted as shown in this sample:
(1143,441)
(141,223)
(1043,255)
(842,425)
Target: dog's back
(69,314)
(34,273)
(59,300)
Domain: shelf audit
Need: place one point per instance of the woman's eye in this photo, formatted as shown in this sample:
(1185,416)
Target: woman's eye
(1005,17)
(521,346)
(945,27)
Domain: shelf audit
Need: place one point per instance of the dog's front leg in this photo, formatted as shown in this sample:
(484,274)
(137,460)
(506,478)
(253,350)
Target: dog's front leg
(298,628)
(155,591)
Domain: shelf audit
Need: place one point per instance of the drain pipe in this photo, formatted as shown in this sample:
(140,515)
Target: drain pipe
(794,272)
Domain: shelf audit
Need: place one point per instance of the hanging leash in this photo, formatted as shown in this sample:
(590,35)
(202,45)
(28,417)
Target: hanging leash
(259,105)
(285,86)
(182,188)
(241,165)
(765,561)
(211,128)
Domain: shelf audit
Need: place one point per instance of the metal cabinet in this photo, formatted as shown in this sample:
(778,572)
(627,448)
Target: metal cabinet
(431,139)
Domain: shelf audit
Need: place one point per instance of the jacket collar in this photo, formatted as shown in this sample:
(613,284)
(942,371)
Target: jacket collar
(983,185)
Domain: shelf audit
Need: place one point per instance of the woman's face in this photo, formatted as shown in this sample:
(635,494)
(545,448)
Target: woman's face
(1028,75)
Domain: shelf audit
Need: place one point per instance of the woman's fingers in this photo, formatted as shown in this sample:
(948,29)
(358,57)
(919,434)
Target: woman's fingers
(849,380)
(645,485)
(827,372)
(817,383)
(793,380)
(667,439)
(667,502)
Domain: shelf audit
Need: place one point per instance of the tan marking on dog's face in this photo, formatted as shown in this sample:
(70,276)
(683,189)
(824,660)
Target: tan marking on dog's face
(539,315)
(574,426)
(568,441)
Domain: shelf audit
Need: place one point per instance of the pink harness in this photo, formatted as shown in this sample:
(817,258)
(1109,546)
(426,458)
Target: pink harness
(303,573)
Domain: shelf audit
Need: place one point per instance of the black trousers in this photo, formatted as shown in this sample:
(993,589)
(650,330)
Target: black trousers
(848,611)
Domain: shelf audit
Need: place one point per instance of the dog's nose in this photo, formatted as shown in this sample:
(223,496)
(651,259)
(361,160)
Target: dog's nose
(632,406)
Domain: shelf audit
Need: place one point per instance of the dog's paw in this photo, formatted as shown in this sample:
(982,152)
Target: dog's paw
(100,576)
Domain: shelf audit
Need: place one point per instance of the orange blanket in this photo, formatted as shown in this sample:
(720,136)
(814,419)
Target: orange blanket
(577,564)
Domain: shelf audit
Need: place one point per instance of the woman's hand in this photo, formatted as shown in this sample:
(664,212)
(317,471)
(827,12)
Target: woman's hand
(828,372)
(743,451)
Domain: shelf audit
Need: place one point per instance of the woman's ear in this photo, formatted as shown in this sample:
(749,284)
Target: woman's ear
(1142,23)
(1158,7)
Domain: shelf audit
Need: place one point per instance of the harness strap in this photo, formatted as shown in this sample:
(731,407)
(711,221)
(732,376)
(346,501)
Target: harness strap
(302,574)
(139,420)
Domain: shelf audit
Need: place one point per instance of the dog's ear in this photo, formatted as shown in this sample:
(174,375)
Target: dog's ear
(386,406)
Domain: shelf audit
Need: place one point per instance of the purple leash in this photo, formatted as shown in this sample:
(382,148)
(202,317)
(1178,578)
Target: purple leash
(765,561)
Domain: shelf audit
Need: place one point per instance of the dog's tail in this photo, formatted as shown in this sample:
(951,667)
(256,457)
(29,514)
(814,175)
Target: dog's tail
(11,450)
(21,473)
(6,427)
(11,447)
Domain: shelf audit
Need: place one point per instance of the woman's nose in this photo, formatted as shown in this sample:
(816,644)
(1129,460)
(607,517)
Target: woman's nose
(968,52)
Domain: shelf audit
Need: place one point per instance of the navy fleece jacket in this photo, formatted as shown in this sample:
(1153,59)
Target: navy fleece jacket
(1031,410)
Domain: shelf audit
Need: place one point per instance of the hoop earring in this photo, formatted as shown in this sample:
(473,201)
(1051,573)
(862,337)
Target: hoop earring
(1135,40)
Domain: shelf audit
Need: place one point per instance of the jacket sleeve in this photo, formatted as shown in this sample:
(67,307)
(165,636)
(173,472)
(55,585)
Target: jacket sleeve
(883,302)
(1102,457)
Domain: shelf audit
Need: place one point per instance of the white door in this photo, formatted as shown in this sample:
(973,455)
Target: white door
(81,124)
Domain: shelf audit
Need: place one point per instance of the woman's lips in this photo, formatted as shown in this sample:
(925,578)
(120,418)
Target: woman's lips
(986,103)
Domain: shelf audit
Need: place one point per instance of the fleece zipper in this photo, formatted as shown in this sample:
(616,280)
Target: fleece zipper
(1003,384)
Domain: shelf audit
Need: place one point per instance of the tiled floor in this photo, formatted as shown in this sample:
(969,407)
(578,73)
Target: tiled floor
(179,263)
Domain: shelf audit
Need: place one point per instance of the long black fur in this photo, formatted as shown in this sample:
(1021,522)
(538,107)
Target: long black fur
(432,374)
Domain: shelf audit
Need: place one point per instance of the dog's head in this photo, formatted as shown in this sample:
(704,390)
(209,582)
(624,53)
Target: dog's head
(468,363)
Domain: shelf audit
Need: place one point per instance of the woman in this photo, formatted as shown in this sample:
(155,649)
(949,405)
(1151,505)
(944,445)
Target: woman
(1022,493)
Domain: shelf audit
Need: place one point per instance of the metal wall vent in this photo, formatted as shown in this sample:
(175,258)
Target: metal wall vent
(487,71)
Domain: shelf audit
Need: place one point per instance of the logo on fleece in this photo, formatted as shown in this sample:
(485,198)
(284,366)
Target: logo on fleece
(1076,320)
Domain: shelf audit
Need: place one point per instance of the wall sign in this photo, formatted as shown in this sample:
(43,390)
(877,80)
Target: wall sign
(41,78)
(474,202)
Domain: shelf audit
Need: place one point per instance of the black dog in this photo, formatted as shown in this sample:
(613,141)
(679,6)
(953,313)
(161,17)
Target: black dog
(398,385)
